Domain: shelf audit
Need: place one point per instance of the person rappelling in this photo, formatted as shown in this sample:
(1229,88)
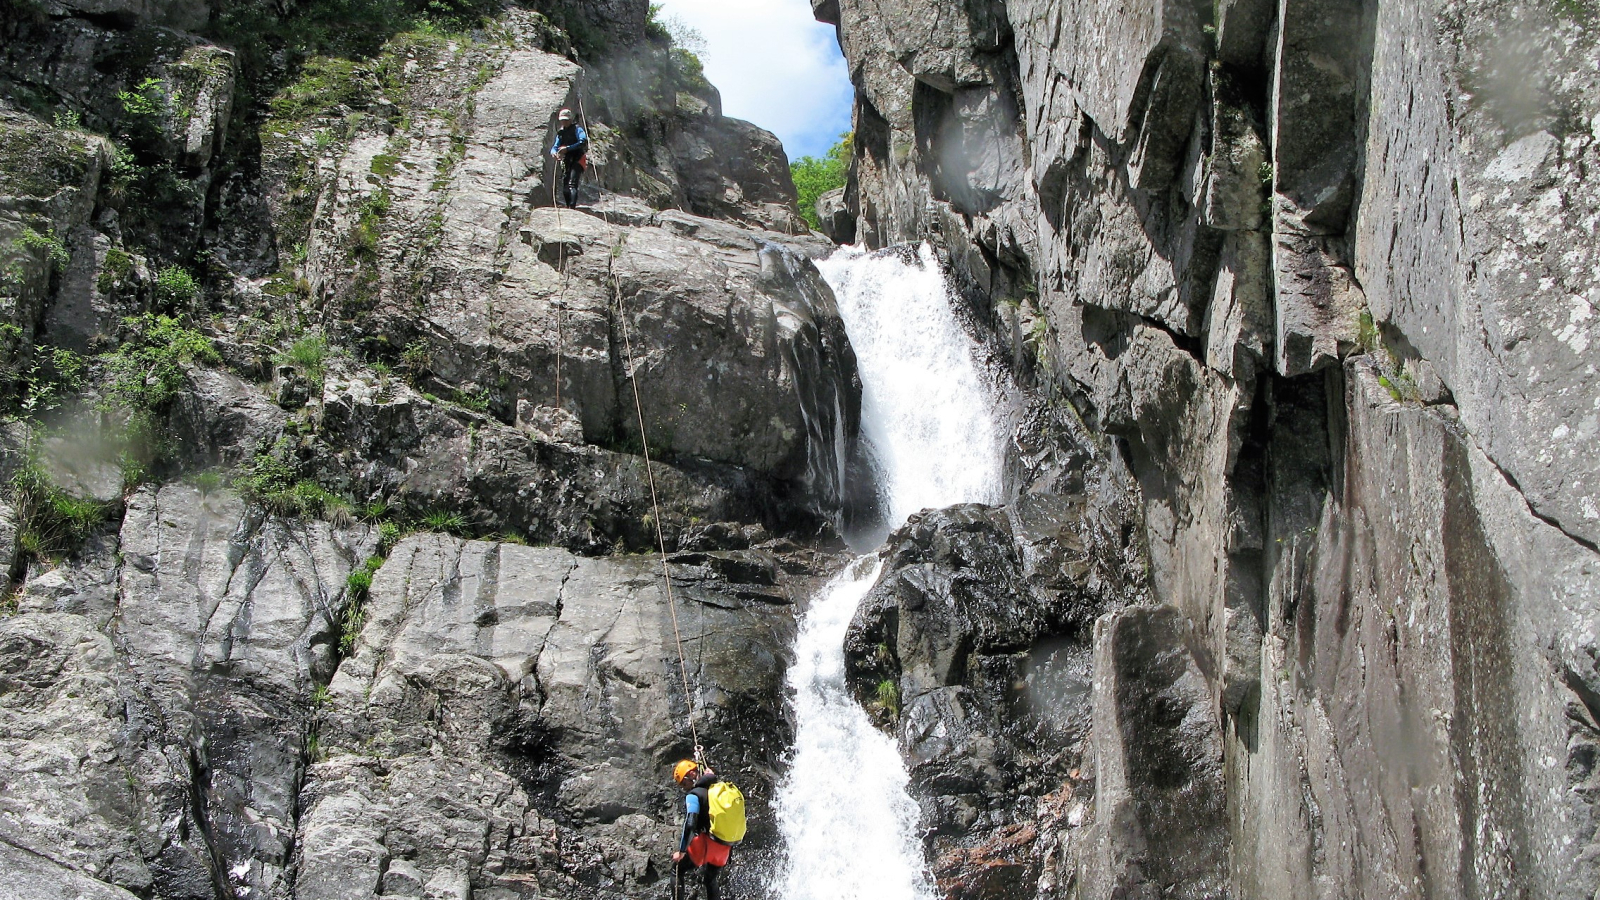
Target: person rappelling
(713,821)
(572,149)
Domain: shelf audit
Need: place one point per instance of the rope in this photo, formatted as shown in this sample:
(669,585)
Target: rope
(561,296)
(661,541)
(584,118)
(649,469)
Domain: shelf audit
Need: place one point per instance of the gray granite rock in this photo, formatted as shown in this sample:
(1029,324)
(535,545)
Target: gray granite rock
(1330,250)
(837,222)
(483,670)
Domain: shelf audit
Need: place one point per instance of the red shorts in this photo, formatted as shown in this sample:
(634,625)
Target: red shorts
(706,851)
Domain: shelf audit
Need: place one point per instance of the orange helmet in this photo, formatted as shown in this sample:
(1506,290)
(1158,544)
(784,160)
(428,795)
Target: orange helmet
(684,769)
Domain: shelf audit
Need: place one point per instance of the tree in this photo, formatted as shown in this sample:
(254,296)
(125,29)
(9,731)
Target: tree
(815,176)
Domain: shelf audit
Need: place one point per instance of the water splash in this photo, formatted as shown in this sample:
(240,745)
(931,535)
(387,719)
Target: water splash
(850,828)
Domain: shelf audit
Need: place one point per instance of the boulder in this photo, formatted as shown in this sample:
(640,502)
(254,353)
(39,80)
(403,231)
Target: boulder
(221,420)
(381,441)
(974,648)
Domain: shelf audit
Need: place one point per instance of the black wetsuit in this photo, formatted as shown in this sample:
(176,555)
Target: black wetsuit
(572,148)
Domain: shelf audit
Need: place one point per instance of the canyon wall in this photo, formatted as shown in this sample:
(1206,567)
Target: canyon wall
(1319,278)
(326,496)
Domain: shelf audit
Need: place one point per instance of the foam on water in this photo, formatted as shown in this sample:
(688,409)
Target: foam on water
(850,828)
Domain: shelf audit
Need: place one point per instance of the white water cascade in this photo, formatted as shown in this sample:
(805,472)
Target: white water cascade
(849,826)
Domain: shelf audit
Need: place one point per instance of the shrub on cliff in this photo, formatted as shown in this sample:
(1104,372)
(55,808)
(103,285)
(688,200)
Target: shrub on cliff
(815,176)
(148,370)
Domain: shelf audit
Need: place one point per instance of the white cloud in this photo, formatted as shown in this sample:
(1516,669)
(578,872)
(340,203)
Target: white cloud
(776,66)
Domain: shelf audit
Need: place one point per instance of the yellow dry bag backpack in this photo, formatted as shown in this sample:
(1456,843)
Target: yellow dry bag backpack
(727,812)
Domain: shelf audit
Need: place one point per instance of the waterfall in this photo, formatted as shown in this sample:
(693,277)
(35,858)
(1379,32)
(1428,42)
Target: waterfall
(927,414)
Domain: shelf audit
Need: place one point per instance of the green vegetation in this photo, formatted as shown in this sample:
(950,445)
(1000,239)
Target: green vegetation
(55,374)
(368,229)
(55,252)
(147,370)
(388,535)
(814,177)
(146,100)
(343,28)
(356,590)
(888,696)
(685,46)
(51,521)
(123,176)
(1579,12)
(309,356)
(176,289)
(477,402)
(360,580)
(416,360)
(113,269)
(447,522)
(1367,335)
(325,83)
(384,164)
(275,483)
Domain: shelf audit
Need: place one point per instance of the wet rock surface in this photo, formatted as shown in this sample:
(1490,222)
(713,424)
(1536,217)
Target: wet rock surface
(487,717)
(977,649)
(540,691)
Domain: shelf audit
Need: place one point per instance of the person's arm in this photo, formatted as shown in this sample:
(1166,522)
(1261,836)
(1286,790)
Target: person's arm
(691,821)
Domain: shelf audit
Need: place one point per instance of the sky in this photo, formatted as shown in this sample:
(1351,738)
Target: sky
(775,65)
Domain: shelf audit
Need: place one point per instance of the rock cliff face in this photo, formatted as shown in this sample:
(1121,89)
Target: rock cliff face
(325,450)
(1318,273)
(325,433)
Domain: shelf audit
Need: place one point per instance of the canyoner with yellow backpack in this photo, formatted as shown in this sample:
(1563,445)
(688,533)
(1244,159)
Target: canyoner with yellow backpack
(713,822)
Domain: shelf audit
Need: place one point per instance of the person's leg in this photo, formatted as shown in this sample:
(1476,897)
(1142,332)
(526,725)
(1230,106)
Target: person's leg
(573,175)
(684,867)
(710,873)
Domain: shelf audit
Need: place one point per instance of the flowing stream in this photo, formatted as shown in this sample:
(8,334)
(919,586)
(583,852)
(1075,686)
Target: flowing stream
(927,414)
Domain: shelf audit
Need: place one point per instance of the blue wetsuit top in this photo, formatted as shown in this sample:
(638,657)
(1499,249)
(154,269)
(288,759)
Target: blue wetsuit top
(697,810)
(691,819)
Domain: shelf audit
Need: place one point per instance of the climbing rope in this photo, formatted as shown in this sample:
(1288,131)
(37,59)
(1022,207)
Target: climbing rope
(661,541)
(584,118)
(644,443)
(561,295)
